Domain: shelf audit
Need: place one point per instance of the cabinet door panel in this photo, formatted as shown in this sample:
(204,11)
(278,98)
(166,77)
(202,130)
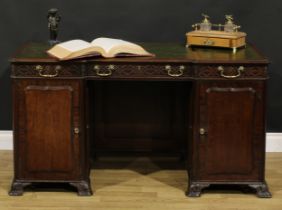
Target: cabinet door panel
(48,124)
(227,149)
(47,113)
(230,126)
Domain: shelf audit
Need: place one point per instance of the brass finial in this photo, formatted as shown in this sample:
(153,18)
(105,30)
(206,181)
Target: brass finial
(229,19)
(206,18)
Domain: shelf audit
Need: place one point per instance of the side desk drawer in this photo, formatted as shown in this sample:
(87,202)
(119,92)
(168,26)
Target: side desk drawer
(46,70)
(238,71)
(139,71)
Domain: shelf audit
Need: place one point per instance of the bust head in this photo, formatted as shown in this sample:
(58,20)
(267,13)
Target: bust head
(53,11)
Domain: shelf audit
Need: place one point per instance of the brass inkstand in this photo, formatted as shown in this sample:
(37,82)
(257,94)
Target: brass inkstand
(216,35)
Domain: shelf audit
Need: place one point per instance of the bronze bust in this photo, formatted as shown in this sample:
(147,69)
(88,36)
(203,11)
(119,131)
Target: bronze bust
(53,24)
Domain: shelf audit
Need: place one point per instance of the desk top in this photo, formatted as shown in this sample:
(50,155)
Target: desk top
(165,52)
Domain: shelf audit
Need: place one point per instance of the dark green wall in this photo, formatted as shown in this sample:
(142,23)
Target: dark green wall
(140,21)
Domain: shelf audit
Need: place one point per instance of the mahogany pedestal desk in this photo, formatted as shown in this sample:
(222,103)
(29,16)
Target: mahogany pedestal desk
(208,104)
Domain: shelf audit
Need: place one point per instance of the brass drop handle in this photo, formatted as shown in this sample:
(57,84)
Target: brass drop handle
(239,70)
(40,70)
(179,73)
(106,73)
(76,130)
(202,131)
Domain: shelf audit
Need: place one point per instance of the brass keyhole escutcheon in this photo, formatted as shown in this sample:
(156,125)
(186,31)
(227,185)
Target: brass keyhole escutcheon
(76,130)
(202,131)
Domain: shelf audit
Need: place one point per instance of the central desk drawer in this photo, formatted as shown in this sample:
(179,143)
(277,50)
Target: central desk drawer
(139,71)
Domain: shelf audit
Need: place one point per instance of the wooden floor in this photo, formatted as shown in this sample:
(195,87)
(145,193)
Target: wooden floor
(139,183)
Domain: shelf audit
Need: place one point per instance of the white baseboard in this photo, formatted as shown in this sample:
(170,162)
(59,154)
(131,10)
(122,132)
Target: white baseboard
(6,140)
(273,141)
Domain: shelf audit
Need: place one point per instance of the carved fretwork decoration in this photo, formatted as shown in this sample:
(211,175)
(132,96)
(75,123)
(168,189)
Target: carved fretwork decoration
(43,70)
(139,71)
(211,71)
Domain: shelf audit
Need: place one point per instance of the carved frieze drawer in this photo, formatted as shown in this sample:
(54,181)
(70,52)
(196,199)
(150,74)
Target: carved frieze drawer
(139,71)
(46,70)
(231,71)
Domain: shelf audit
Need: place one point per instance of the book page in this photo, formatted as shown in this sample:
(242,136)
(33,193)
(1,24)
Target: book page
(74,45)
(107,43)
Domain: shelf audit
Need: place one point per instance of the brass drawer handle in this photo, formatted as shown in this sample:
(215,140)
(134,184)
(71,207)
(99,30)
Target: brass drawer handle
(40,70)
(106,73)
(208,42)
(170,71)
(239,70)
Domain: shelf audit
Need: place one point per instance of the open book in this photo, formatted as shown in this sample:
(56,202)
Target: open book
(106,47)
